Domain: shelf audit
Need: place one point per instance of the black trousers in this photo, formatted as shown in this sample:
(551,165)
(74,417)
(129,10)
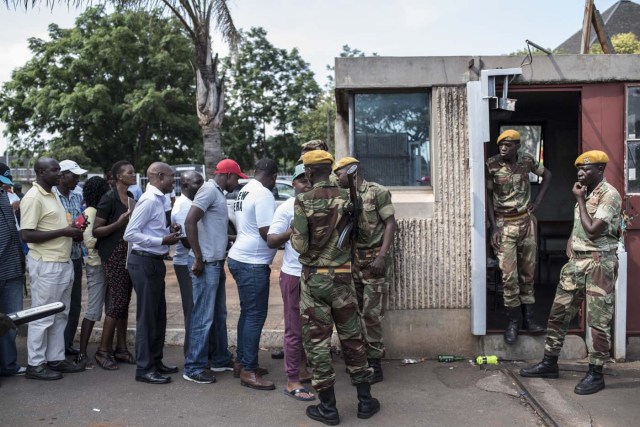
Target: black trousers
(76,303)
(147,275)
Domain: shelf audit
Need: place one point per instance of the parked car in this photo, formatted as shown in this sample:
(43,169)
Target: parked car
(282,191)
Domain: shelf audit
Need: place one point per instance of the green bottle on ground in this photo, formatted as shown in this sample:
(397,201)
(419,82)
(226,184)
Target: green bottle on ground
(446,358)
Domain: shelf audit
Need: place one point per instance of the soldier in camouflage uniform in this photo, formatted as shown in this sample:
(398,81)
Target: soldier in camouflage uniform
(327,292)
(513,228)
(590,273)
(373,264)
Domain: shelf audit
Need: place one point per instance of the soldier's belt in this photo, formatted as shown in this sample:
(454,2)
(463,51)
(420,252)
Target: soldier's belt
(344,268)
(512,216)
(595,255)
(368,253)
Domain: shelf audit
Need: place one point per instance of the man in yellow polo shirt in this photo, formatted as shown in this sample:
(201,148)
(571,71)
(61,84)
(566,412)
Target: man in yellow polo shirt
(49,235)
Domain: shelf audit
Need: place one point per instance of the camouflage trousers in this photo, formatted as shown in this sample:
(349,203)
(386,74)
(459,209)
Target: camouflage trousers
(325,298)
(517,259)
(371,293)
(592,277)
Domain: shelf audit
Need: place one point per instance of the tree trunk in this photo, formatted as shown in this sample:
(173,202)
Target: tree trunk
(209,103)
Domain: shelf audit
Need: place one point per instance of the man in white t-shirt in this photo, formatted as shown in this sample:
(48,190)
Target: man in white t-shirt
(279,234)
(249,260)
(190,183)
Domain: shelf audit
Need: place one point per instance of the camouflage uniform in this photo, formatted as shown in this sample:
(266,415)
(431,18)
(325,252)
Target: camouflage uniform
(372,291)
(327,292)
(591,271)
(517,252)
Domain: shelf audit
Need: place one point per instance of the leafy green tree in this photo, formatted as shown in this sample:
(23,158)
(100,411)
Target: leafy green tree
(622,43)
(269,89)
(196,17)
(118,86)
(319,123)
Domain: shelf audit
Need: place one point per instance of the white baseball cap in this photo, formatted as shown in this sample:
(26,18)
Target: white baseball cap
(71,166)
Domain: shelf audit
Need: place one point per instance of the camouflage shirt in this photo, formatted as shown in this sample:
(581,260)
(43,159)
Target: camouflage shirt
(376,208)
(603,203)
(316,214)
(511,189)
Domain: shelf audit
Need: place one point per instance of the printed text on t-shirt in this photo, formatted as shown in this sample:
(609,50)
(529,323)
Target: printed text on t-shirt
(237,205)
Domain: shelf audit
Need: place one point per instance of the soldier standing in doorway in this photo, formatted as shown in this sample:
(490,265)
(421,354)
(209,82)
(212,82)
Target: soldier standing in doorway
(373,263)
(327,291)
(513,228)
(590,273)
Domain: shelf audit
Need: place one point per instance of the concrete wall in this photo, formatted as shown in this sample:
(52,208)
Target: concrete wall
(432,255)
(415,72)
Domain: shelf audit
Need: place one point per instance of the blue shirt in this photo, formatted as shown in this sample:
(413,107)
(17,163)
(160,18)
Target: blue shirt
(148,224)
(136,191)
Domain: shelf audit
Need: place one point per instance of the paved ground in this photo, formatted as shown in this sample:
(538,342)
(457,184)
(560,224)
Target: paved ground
(425,394)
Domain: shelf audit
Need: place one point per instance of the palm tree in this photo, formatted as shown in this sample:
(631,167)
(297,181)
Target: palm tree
(196,17)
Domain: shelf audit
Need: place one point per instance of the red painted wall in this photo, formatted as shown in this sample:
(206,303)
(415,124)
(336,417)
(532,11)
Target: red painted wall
(603,118)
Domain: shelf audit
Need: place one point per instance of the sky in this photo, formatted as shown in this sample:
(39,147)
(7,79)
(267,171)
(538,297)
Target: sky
(319,28)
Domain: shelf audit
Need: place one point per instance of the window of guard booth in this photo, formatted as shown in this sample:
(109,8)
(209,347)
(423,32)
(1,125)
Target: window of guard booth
(532,142)
(633,140)
(391,137)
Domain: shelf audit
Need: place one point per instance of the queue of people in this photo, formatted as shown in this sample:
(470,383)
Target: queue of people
(337,235)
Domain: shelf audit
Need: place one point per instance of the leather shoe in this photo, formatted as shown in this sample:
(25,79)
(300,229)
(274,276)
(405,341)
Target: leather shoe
(253,379)
(153,378)
(65,366)
(237,367)
(164,369)
(42,372)
(71,351)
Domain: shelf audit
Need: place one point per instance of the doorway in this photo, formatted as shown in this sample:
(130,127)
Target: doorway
(551,119)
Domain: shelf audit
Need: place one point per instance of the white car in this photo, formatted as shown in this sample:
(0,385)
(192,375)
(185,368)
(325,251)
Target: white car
(282,191)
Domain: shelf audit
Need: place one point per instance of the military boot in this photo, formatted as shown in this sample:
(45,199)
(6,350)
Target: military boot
(548,368)
(367,406)
(326,411)
(593,382)
(515,319)
(528,321)
(377,370)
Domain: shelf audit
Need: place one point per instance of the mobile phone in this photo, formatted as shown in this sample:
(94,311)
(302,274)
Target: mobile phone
(80,221)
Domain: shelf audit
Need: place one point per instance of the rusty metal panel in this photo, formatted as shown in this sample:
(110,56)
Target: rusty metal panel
(432,256)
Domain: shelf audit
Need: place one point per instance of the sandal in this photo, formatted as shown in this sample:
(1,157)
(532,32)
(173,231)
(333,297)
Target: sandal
(296,394)
(106,361)
(124,355)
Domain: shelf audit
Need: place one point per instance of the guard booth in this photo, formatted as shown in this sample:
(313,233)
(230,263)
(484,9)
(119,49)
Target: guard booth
(433,121)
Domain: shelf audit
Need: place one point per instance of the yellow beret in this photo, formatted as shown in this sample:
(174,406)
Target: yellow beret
(317,157)
(592,157)
(345,161)
(509,135)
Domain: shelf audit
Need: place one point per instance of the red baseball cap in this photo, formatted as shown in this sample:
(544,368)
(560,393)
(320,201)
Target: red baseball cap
(229,166)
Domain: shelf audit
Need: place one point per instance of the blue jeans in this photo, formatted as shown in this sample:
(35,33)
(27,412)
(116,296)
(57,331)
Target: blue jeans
(253,290)
(205,288)
(10,301)
(218,340)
